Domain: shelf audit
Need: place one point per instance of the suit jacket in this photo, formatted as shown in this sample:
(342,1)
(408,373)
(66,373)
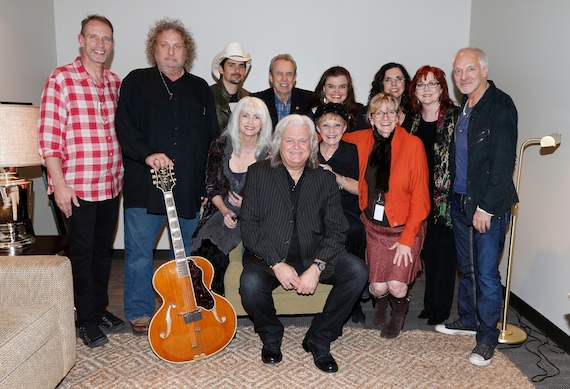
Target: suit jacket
(300,101)
(267,219)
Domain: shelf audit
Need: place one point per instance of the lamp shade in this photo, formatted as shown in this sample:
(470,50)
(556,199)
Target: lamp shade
(19,135)
(551,140)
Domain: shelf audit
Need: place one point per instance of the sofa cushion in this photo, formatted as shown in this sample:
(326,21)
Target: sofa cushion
(23,331)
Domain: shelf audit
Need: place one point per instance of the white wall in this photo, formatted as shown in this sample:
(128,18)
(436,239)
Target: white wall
(527,45)
(359,35)
(28,56)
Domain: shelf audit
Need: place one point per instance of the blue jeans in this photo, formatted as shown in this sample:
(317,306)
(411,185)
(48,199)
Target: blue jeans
(141,231)
(480,293)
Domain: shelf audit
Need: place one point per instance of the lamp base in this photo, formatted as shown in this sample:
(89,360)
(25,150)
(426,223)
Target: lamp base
(16,231)
(511,335)
(13,236)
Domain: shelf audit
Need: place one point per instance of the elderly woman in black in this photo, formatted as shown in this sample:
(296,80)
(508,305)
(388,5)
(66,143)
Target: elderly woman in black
(341,159)
(244,142)
(433,122)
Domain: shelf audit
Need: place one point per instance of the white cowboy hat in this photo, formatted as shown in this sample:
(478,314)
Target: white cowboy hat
(233,51)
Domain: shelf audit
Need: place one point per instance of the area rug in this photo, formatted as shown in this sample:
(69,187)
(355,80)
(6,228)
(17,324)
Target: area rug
(416,359)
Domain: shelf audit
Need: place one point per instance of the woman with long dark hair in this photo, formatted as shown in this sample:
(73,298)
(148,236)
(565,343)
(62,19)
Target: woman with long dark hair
(393,78)
(335,86)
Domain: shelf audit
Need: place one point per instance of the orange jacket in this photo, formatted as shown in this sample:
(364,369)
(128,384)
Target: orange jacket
(408,200)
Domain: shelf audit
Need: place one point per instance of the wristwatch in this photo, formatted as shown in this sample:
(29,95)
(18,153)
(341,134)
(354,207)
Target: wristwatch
(320,265)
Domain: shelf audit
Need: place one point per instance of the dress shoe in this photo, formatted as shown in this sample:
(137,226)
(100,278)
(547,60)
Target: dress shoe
(424,314)
(323,359)
(357,315)
(271,353)
(91,335)
(110,322)
(140,326)
(434,322)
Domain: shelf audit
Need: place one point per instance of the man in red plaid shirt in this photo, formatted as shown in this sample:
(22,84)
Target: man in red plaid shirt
(79,145)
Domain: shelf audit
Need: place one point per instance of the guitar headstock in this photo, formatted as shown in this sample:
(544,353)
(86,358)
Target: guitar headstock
(164,178)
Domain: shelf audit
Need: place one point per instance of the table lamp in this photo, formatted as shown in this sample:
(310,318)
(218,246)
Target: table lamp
(18,148)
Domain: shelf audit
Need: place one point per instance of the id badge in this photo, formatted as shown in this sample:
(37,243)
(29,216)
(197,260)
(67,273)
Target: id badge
(378,212)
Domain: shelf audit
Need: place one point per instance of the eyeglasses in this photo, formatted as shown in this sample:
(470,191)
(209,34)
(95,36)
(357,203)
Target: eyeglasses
(389,80)
(430,85)
(380,114)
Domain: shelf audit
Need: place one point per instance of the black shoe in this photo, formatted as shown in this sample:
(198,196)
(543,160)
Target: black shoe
(357,314)
(91,335)
(323,360)
(424,314)
(110,322)
(271,353)
(433,322)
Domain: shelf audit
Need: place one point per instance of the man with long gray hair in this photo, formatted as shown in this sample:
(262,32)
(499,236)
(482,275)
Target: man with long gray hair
(166,117)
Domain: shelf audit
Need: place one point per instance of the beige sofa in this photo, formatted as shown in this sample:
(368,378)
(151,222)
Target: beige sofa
(286,302)
(37,330)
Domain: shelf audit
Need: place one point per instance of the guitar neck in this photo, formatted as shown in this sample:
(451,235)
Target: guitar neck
(175,234)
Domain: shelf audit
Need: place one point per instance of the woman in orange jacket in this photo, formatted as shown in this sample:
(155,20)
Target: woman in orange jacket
(394,200)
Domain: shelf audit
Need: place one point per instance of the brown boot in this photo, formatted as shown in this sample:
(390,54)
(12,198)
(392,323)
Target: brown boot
(379,319)
(400,308)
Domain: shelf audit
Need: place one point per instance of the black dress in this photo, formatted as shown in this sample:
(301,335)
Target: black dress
(345,162)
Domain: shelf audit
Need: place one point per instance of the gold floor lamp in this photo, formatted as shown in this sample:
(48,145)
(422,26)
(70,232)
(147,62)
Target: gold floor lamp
(511,334)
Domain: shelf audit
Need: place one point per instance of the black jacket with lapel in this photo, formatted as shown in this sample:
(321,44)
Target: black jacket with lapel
(300,101)
(267,219)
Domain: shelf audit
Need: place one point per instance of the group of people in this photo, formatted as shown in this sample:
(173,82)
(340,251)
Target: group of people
(318,187)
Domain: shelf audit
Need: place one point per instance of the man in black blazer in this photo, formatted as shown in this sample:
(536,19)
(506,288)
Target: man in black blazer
(293,230)
(283,98)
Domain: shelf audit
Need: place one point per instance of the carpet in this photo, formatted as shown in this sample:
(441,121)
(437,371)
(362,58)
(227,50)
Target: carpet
(416,359)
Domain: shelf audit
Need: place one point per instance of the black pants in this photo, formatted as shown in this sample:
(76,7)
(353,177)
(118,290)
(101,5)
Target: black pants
(440,260)
(91,230)
(219,260)
(348,280)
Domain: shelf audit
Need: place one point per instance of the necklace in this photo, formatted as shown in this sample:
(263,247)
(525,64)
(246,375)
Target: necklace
(166,86)
(327,154)
(248,151)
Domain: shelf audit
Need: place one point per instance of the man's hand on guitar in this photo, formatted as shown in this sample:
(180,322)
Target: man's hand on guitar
(158,161)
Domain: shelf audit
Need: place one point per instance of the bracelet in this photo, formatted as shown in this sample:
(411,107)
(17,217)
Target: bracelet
(342,183)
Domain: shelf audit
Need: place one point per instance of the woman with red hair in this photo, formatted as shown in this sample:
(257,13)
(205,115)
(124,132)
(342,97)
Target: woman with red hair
(433,122)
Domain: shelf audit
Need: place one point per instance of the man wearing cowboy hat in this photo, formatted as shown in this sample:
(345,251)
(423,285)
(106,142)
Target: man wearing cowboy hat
(229,68)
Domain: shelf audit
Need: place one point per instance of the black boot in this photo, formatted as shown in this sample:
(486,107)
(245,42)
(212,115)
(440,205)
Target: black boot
(381,304)
(400,308)
(357,314)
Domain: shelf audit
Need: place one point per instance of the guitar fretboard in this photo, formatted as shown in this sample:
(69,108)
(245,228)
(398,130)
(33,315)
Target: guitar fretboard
(176,235)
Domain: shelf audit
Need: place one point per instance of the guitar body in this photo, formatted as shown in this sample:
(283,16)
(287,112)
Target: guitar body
(192,322)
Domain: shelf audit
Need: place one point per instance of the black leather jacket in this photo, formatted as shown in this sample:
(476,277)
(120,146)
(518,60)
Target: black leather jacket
(222,99)
(492,142)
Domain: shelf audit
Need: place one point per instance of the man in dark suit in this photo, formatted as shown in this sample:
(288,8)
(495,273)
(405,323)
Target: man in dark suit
(283,98)
(293,230)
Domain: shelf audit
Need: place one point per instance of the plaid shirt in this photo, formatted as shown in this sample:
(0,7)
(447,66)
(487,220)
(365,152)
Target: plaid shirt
(77,124)
(283,109)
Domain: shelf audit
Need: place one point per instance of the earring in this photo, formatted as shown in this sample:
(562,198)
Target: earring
(324,100)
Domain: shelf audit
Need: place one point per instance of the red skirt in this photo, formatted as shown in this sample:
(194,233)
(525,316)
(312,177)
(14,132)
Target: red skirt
(380,259)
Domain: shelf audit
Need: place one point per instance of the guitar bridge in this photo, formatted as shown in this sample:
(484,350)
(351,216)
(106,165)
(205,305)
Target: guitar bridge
(191,317)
